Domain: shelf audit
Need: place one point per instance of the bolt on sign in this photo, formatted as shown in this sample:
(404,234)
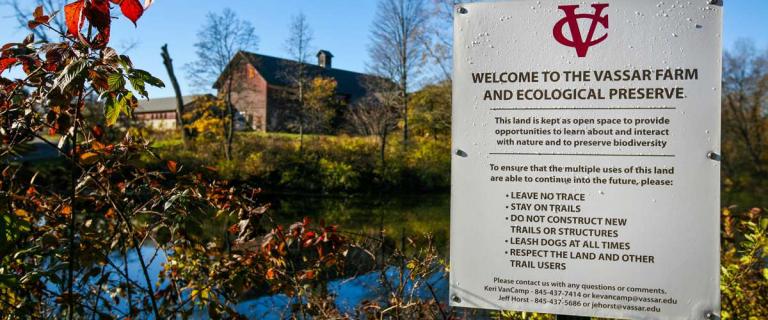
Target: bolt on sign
(586,140)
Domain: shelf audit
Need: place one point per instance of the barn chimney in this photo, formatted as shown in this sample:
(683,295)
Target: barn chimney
(324,59)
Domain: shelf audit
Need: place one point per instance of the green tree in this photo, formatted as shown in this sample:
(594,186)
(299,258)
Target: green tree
(431,110)
(322,105)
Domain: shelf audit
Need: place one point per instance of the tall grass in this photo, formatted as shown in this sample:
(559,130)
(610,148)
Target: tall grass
(327,164)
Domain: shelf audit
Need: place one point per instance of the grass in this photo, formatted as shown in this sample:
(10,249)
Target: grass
(325,164)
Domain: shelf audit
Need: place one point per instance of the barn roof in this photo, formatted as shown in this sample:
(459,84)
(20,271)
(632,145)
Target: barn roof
(166,104)
(273,70)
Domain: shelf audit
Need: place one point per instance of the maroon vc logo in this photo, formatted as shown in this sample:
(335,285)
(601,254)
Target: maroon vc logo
(571,19)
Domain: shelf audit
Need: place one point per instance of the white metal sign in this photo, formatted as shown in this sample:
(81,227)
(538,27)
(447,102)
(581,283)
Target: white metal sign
(586,139)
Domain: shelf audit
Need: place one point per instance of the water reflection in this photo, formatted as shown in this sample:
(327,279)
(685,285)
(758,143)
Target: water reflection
(349,294)
(394,217)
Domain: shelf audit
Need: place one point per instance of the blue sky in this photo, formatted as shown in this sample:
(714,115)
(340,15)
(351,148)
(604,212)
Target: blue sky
(340,26)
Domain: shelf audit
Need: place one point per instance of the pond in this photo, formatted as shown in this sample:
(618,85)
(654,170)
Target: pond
(396,216)
(348,293)
(411,215)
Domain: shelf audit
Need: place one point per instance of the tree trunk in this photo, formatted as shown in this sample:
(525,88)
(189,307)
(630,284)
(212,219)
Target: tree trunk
(301,114)
(404,64)
(168,62)
(301,137)
(383,150)
(230,130)
(404,106)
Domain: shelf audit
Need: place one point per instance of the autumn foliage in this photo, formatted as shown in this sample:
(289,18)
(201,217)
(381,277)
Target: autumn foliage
(67,228)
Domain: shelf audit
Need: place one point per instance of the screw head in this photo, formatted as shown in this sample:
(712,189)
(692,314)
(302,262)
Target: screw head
(461,10)
(456,299)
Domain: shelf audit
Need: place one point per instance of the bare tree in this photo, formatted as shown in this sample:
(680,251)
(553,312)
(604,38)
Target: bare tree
(298,46)
(22,9)
(397,36)
(745,110)
(375,114)
(438,39)
(218,41)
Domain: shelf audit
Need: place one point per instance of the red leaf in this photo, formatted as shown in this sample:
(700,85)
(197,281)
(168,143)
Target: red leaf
(66,210)
(39,18)
(132,9)
(73,15)
(172,166)
(29,64)
(98,15)
(31,192)
(54,55)
(38,12)
(6,63)
(110,213)
(32,24)
(271,274)
(97,131)
(102,39)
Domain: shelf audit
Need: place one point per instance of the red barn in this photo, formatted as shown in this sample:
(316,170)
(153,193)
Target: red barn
(261,85)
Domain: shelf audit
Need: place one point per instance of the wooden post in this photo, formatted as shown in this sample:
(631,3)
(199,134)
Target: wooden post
(168,62)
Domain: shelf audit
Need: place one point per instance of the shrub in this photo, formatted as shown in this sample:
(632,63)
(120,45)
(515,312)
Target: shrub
(325,164)
(744,264)
(431,163)
(338,176)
